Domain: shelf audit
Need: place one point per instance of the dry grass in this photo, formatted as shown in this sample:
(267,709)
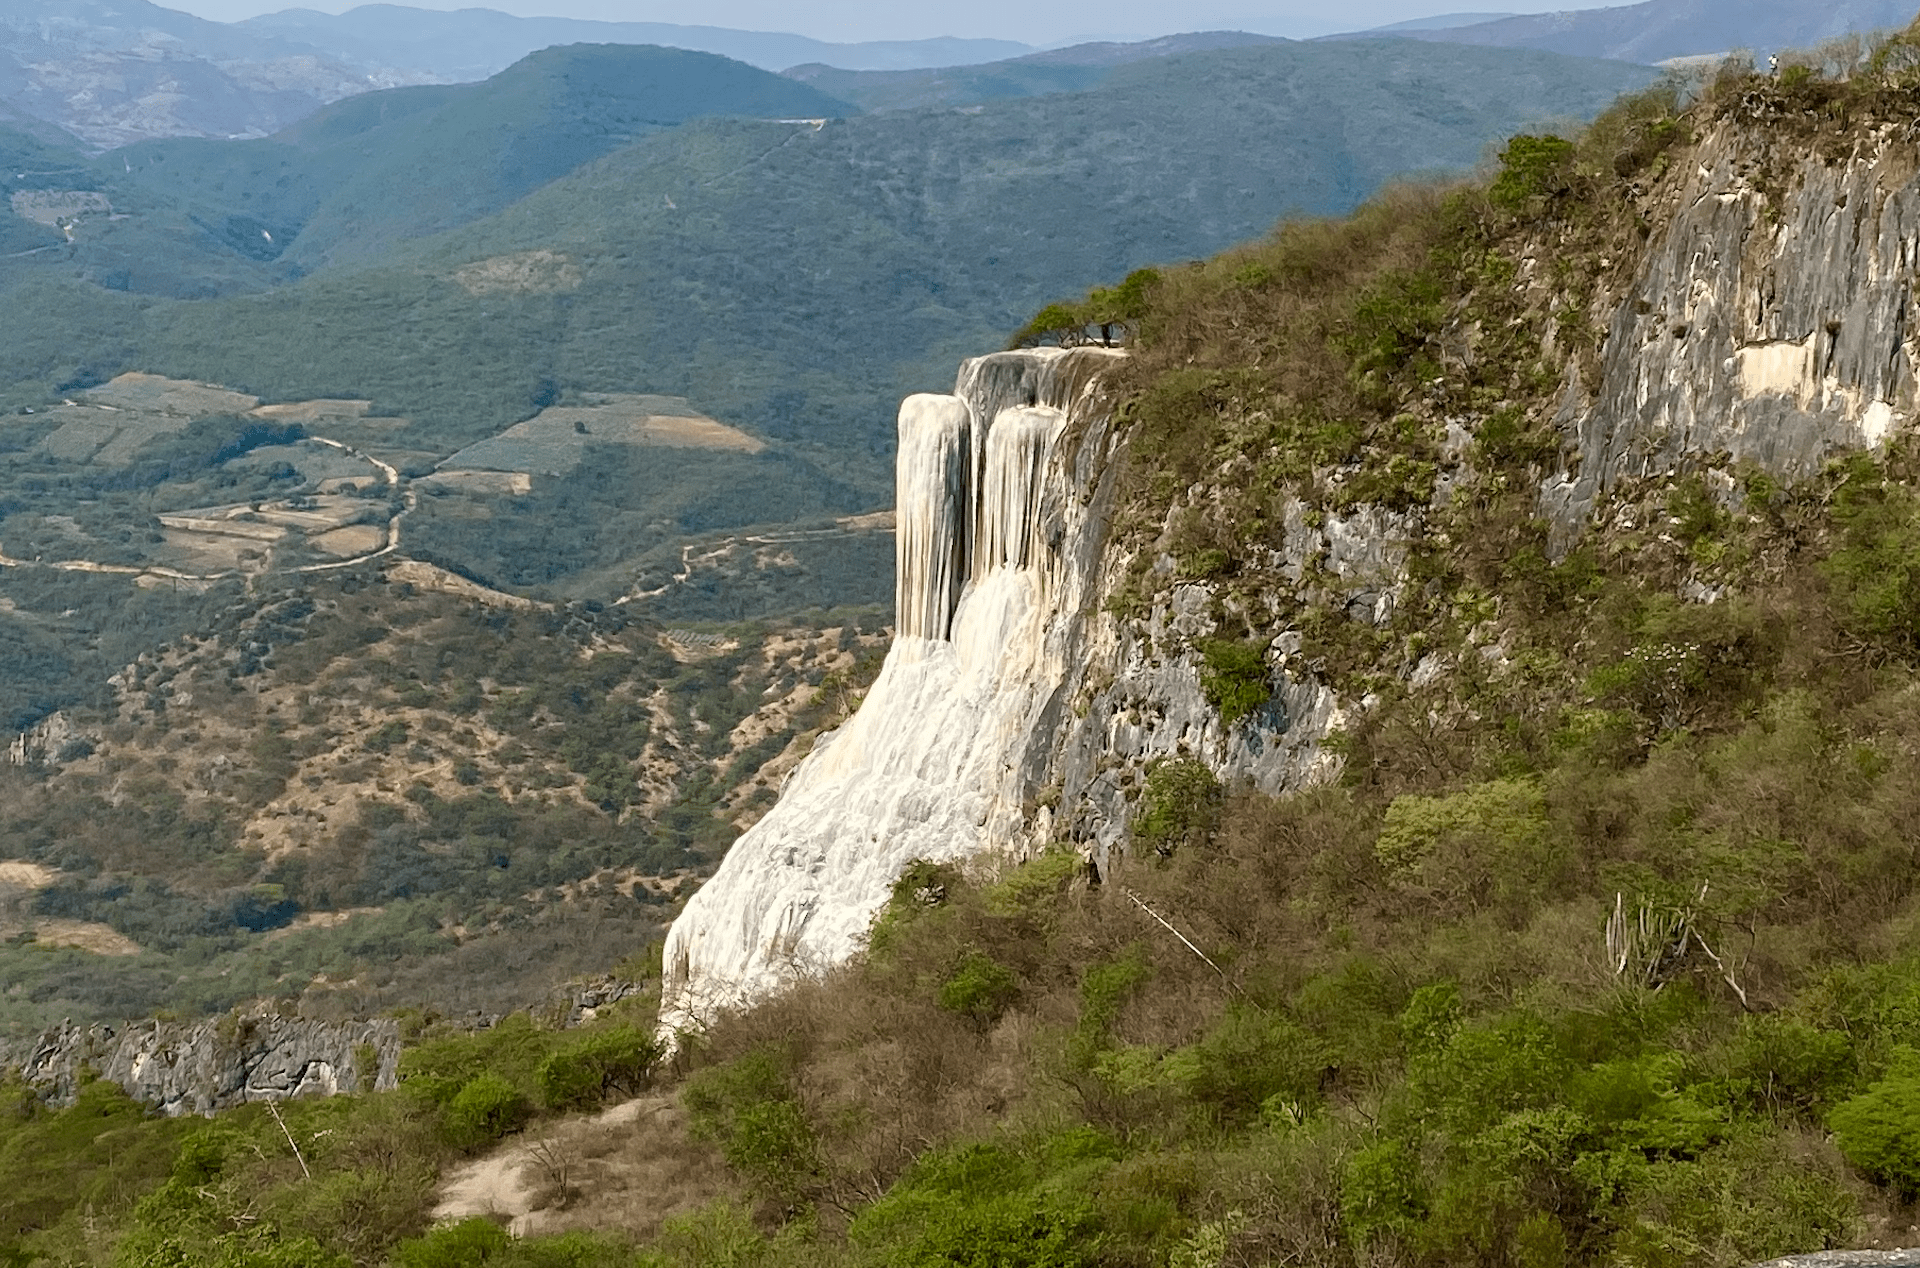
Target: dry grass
(628,1169)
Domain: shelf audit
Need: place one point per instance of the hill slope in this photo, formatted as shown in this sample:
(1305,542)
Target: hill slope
(1661,29)
(1592,943)
(353,179)
(472,43)
(733,262)
(1073,69)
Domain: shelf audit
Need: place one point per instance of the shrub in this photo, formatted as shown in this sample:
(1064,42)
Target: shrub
(1380,1192)
(992,1206)
(1488,844)
(438,1069)
(1234,679)
(751,1109)
(1104,990)
(468,1244)
(1247,1060)
(1875,568)
(486,1109)
(1532,167)
(1181,802)
(1879,1130)
(921,887)
(980,989)
(1754,1199)
(603,1061)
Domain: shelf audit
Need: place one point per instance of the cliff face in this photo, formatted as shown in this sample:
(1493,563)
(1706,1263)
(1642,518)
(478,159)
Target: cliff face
(1770,323)
(1762,323)
(1011,711)
(213,1065)
(1003,492)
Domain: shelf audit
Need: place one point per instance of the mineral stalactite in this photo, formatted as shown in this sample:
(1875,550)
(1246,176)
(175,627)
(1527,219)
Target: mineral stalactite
(936,762)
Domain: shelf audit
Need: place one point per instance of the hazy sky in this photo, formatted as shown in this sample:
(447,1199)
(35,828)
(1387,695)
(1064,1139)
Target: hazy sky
(1021,20)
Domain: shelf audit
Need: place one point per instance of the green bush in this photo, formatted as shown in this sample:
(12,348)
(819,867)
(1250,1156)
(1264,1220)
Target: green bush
(439,1069)
(468,1244)
(1247,1062)
(1879,1130)
(602,1062)
(980,989)
(486,1109)
(1104,991)
(992,1206)
(1380,1192)
(922,887)
(1234,679)
(751,1109)
(1180,803)
(1874,567)
(1532,167)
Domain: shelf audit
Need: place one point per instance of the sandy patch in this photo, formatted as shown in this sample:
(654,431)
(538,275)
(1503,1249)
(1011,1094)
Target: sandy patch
(523,273)
(629,1168)
(499,483)
(19,874)
(360,539)
(83,935)
(312,411)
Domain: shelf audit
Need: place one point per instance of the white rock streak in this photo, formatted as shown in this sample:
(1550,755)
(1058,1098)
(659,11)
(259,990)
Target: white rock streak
(930,482)
(931,767)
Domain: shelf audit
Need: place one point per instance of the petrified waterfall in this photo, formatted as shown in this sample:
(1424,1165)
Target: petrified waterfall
(996,560)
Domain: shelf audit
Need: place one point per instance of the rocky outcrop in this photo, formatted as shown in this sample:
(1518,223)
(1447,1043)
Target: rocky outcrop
(52,740)
(1771,322)
(212,1065)
(1767,324)
(1012,711)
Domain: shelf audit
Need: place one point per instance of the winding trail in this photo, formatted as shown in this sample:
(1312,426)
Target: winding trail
(710,550)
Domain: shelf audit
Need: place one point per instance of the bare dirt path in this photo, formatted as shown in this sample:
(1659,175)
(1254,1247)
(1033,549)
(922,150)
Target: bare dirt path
(627,1168)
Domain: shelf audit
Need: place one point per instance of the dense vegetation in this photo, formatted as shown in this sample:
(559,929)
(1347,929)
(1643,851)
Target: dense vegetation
(917,237)
(364,796)
(320,1184)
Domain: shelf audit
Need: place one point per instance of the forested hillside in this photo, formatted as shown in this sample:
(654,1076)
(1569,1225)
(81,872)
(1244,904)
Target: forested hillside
(734,262)
(366,793)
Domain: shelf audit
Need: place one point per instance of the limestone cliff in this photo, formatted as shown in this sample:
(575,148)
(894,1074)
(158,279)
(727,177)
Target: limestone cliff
(212,1065)
(1761,320)
(1770,321)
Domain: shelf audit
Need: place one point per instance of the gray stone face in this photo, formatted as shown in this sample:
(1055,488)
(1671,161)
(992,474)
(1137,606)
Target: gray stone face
(1850,1259)
(212,1065)
(1772,328)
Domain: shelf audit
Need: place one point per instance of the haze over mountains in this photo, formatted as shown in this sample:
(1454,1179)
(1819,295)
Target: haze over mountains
(1659,30)
(114,71)
(110,72)
(731,261)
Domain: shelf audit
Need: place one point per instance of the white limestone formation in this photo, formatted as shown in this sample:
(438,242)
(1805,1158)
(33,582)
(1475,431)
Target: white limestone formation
(1012,710)
(997,560)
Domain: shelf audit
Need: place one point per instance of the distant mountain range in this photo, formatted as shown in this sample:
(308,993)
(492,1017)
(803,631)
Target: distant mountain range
(790,277)
(468,44)
(1072,69)
(110,72)
(1660,30)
